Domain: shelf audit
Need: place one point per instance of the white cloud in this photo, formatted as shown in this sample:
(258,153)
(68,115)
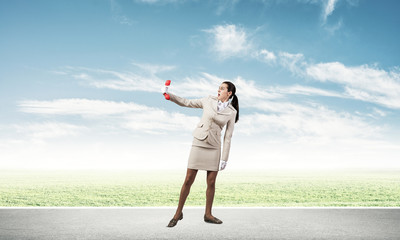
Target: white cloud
(361,82)
(229,40)
(142,78)
(264,55)
(153,69)
(48,130)
(82,76)
(365,83)
(198,86)
(293,62)
(305,90)
(306,123)
(379,112)
(249,92)
(328,9)
(85,107)
(125,81)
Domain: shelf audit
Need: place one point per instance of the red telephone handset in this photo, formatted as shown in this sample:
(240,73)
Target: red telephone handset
(167,83)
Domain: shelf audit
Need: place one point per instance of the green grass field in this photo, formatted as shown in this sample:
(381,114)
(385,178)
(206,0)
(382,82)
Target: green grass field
(268,188)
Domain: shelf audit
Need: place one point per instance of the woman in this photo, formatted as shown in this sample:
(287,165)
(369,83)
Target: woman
(205,153)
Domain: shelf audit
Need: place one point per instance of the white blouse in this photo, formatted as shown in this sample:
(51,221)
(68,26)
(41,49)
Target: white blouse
(222,105)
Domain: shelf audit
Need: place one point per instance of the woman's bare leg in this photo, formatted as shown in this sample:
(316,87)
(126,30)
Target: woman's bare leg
(190,177)
(211,178)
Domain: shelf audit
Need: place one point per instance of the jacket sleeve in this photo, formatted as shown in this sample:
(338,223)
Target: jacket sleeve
(227,138)
(192,103)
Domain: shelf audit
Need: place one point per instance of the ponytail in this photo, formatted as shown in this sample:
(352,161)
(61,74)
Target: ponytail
(235,104)
(235,100)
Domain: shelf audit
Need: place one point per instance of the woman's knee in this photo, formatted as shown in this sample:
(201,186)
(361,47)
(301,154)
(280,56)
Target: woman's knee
(211,179)
(189,181)
(190,177)
(211,183)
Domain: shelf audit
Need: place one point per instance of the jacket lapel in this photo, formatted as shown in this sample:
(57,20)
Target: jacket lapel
(226,111)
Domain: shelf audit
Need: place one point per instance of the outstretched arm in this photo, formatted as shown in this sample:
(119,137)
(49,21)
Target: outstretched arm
(192,103)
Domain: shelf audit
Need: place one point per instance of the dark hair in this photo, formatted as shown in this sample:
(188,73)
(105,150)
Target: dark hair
(235,100)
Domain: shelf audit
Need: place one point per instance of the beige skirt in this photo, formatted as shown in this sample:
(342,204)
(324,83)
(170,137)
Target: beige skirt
(203,156)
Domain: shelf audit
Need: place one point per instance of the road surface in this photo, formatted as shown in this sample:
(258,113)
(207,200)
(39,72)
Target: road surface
(239,223)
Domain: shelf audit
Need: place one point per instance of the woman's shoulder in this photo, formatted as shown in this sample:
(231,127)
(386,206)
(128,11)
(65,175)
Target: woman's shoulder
(232,108)
(212,97)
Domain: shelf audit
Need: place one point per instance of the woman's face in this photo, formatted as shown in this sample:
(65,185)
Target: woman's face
(223,94)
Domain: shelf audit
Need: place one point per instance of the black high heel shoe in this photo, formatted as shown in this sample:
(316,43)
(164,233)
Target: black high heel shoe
(173,221)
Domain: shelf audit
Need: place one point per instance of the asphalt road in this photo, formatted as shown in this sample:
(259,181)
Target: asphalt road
(239,223)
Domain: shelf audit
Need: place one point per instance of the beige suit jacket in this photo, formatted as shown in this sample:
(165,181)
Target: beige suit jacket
(212,122)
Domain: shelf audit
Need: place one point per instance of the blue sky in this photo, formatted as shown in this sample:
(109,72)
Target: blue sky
(318,81)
